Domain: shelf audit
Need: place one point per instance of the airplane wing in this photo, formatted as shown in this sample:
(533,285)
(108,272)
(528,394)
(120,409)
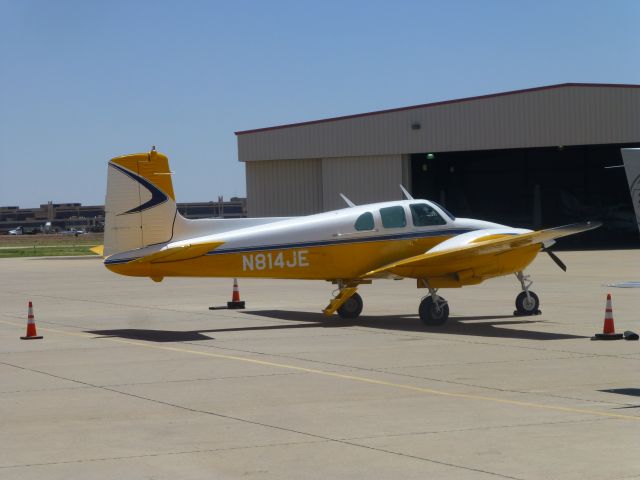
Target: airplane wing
(451,260)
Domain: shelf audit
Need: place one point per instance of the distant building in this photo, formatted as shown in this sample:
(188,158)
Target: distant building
(234,208)
(62,216)
(65,216)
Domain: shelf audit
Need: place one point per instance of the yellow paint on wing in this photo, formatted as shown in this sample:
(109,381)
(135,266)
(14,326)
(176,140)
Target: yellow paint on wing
(472,269)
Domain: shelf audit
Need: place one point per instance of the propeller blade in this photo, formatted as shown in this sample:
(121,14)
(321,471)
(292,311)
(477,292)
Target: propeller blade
(556,259)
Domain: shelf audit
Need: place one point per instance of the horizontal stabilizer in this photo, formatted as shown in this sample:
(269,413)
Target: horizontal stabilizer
(441,258)
(98,250)
(182,252)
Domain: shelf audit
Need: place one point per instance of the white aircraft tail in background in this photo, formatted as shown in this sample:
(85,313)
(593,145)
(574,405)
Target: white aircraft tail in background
(631,157)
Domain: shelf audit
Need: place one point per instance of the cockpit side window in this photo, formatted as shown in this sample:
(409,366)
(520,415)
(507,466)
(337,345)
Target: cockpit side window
(423,215)
(393,217)
(364,222)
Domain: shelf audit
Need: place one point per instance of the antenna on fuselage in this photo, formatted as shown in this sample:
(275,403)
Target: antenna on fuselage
(347,201)
(406,194)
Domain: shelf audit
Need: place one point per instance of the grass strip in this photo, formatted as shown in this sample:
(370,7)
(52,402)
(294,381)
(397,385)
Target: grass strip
(48,251)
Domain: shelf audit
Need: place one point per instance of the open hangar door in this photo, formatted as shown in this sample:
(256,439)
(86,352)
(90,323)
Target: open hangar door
(534,188)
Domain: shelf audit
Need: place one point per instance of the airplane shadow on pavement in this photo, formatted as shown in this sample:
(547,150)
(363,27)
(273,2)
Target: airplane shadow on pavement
(500,326)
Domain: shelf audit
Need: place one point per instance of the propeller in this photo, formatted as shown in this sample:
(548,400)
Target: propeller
(556,259)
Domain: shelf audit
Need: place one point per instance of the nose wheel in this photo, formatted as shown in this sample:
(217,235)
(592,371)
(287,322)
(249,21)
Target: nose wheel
(527,302)
(527,305)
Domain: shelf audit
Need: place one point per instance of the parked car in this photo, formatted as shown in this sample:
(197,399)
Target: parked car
(73,231)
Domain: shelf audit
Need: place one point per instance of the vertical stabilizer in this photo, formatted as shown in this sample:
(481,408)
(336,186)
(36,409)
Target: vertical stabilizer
(140,207)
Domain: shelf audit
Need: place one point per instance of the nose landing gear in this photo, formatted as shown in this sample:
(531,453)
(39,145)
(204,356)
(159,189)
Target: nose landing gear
(527,302)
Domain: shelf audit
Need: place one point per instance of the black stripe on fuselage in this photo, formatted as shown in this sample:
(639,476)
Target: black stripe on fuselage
(322,243)
(379,238)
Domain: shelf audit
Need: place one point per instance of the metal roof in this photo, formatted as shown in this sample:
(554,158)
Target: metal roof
(435,104)
(565,114)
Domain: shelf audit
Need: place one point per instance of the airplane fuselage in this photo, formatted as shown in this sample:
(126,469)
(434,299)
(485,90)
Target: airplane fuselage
(326,246)
(145,236)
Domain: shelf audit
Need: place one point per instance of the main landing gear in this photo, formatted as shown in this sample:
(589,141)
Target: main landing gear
(346,301)
(434,309)
(351,308)
(527,302)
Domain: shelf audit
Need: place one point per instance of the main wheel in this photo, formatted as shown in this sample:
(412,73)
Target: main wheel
(351,308)
(432,314)
(527,305)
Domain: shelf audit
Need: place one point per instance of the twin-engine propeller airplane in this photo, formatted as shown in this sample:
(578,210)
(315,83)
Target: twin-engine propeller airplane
(146,236)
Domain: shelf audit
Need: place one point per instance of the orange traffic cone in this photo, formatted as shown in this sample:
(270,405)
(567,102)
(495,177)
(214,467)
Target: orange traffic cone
(235,302)
(608,329)
(31,325)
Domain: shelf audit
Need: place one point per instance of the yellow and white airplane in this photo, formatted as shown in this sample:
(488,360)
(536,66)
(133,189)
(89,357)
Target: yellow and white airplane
(146,236)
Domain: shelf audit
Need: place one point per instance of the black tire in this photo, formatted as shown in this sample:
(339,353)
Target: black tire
(352,308)
(526,306)
(430,315)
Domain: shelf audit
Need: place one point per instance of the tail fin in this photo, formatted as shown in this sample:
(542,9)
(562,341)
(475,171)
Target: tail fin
(631,158)
(140,208)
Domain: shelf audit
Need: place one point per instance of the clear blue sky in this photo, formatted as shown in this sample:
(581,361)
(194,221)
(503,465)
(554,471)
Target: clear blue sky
(83,81)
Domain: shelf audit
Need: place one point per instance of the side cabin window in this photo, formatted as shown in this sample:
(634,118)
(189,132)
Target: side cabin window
(364,222)
(423,215)
(393,217)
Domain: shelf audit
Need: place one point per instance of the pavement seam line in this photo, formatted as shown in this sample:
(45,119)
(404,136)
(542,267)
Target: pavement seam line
(407,375)
(368,380)
(474,429)
(160,454)
(265,425)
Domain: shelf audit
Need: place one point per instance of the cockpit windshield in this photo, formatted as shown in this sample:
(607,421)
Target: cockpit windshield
(424,215)
(447,212)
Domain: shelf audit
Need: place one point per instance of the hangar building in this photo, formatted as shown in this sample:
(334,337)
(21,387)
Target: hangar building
(527,158)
